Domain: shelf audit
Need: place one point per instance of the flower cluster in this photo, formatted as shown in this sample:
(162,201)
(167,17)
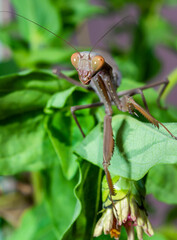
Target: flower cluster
(128,210)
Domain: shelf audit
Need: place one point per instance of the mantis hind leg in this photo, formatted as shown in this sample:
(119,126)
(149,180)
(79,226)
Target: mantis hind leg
(129,105)
(140,91)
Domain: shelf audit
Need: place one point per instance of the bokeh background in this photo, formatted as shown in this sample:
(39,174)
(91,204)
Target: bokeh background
(158,19)
(144,46)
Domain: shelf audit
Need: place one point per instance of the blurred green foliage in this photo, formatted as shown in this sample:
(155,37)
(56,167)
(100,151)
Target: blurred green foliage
(39,135)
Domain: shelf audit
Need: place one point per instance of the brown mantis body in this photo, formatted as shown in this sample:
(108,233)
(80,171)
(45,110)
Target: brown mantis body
(94,70)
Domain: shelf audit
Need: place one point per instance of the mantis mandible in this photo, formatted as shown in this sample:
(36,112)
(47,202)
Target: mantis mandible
(94,70)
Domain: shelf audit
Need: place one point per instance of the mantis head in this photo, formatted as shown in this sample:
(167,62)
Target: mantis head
(87,65)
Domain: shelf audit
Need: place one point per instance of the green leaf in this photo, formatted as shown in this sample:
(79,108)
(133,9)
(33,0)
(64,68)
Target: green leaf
(26,91)
(35,225)
(60,133)
(25,145)
(89,194)
(20,102)
(65,135)
(138,147)
(58,100)
(36,80)
(63,204)
(161,182)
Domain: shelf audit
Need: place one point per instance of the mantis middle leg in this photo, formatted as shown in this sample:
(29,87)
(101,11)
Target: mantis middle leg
(80,107)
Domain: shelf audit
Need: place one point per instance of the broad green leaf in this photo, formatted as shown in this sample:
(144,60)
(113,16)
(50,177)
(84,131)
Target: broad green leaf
(28,91)
(21,102)
(89,194)
(138,147)
(58,100)
(60,134)
(36,80)
(35,225)
(25,145)
(65,135)
(161,182)
(63,204)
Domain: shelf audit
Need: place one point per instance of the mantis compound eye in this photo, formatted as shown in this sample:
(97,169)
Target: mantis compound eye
(75,59)
(97,63)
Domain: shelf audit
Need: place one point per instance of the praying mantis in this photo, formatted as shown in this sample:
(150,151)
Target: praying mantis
(95,71)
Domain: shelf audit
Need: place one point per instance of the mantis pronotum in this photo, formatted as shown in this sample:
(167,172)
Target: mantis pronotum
(94,70)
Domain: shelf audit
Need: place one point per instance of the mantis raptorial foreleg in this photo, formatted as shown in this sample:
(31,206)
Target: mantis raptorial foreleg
(71,80)
(130,92)
(108,149)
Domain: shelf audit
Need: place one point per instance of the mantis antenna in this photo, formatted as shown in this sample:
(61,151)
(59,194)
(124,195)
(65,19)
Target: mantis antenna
(110,29)
(68,43)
